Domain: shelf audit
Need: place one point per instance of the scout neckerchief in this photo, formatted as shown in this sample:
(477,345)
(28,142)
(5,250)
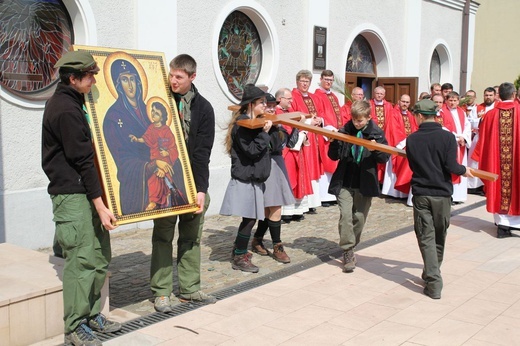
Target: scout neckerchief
(88,119)
(357,150)
(185,112)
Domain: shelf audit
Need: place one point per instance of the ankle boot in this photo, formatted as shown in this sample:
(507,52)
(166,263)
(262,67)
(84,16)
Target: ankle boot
(243,263)
(279,254)
(257,246)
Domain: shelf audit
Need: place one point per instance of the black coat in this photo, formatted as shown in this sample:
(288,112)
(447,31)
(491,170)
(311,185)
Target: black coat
(342,151)
(200,139)
(67,153)
(250,159)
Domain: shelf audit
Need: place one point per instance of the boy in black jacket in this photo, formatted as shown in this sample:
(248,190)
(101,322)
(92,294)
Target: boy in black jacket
(354,182)
(432,156)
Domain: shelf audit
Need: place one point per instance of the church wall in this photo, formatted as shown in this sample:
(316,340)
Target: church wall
(182,27)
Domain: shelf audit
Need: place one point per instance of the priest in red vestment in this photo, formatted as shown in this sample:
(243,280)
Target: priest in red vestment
(475,185)
(357,94)
(398,175)
(306,102)
(332,120)
(383,114)
(294,160)
(498,151)
(462,131)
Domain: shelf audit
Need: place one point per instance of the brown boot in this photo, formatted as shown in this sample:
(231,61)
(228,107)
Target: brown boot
(279,254)
(243,263)
(349,261)
(257,246)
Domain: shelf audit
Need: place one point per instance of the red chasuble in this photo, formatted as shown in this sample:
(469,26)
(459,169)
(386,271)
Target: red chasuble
(331,115)
(345,111)
(295,164)
(404,125)
(383,116)
(309,105)
(498,151)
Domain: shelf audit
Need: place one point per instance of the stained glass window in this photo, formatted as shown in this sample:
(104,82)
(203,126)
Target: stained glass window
(239,52)
(435,68)
(360,57)
(33,36)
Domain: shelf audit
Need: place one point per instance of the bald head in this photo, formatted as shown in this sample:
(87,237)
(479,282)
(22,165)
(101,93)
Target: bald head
(357,94)
(404,102)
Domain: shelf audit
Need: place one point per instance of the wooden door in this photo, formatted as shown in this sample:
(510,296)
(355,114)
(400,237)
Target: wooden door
(350,83)
(397,86)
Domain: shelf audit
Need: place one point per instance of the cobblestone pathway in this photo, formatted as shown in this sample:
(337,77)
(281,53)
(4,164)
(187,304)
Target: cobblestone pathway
(315,236)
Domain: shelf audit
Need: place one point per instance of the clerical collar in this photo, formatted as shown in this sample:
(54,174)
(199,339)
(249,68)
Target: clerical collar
(378,103)
(325,90)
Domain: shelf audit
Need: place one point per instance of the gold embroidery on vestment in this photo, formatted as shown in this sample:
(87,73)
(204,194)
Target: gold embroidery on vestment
(335,106)
(505,121)
(380,113)
(407,125)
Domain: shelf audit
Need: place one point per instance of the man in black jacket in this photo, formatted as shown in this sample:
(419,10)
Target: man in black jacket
(82,219)
(198,123)
(432,156)
(354,182)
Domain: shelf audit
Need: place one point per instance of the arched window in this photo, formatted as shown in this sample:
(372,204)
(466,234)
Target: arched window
(239,52)
(360,58)
(435,68)
(34,34)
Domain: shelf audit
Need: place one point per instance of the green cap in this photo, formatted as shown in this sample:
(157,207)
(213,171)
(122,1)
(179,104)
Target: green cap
(426,107)
(78,61)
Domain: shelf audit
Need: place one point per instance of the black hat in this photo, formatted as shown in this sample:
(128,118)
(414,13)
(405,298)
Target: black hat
(251,93)
(426,107)
(270,99)
(79,61)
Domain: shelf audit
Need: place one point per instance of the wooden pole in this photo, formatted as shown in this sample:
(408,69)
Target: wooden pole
(292,119)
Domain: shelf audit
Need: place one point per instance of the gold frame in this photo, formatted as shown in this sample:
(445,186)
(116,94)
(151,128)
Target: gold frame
(121,160)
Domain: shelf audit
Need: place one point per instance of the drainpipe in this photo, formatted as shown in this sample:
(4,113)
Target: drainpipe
(464,48)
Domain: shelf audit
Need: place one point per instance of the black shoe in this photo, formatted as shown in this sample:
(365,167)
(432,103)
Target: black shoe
(325,204)
(298,218)
(312,211)
(503,232)
(430,294)
(286,218)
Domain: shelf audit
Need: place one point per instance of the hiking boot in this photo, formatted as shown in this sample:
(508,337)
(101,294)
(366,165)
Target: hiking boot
(82,335)
(243,263)
(162,304)
(198,296)
(431,294)
(279,254)
(349,261)
(257,246)
(100,324)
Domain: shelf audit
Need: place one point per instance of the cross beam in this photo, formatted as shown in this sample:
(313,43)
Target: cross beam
(292,119)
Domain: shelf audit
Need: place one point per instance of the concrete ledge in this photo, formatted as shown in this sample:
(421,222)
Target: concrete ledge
(31,295)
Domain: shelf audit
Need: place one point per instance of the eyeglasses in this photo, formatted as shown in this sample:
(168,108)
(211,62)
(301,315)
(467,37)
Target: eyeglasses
(287,98)
(304,81)
(328,79)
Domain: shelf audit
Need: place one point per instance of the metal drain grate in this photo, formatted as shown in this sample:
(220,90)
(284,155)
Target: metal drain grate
(180,309)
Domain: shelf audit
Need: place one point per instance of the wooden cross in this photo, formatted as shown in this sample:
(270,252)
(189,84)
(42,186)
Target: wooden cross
(292,119)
